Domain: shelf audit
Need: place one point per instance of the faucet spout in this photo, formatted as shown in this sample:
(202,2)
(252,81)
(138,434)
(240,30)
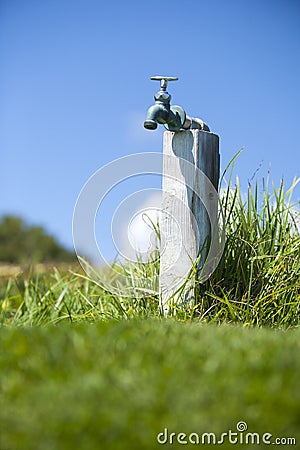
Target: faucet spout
(161,113)
(157,113)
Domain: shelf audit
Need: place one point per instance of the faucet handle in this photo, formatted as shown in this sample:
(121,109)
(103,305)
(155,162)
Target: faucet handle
(163,81)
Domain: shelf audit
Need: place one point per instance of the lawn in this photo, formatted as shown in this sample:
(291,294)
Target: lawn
(116,385)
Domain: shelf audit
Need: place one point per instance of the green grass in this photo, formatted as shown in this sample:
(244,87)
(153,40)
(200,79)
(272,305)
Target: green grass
(107,371)
(116,385)
(257,281)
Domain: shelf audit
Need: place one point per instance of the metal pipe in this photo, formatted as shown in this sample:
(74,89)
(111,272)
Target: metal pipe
(192,123)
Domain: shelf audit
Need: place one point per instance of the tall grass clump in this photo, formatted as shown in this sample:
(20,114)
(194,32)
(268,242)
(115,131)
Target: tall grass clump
(258,279)
(55,296)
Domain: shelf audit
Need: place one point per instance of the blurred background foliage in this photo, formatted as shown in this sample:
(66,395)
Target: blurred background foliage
(24,244)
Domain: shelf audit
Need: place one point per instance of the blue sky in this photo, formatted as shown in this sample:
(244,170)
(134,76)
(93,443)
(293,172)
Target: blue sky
(75,88)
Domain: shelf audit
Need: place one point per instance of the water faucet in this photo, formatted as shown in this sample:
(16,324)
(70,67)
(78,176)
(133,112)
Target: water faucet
(174,118)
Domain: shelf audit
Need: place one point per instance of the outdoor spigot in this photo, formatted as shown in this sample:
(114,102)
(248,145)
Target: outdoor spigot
(173,118)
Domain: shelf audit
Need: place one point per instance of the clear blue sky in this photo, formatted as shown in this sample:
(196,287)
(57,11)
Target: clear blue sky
(74,90)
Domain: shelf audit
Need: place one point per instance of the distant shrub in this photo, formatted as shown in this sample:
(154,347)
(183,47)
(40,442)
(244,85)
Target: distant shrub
(23,244)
